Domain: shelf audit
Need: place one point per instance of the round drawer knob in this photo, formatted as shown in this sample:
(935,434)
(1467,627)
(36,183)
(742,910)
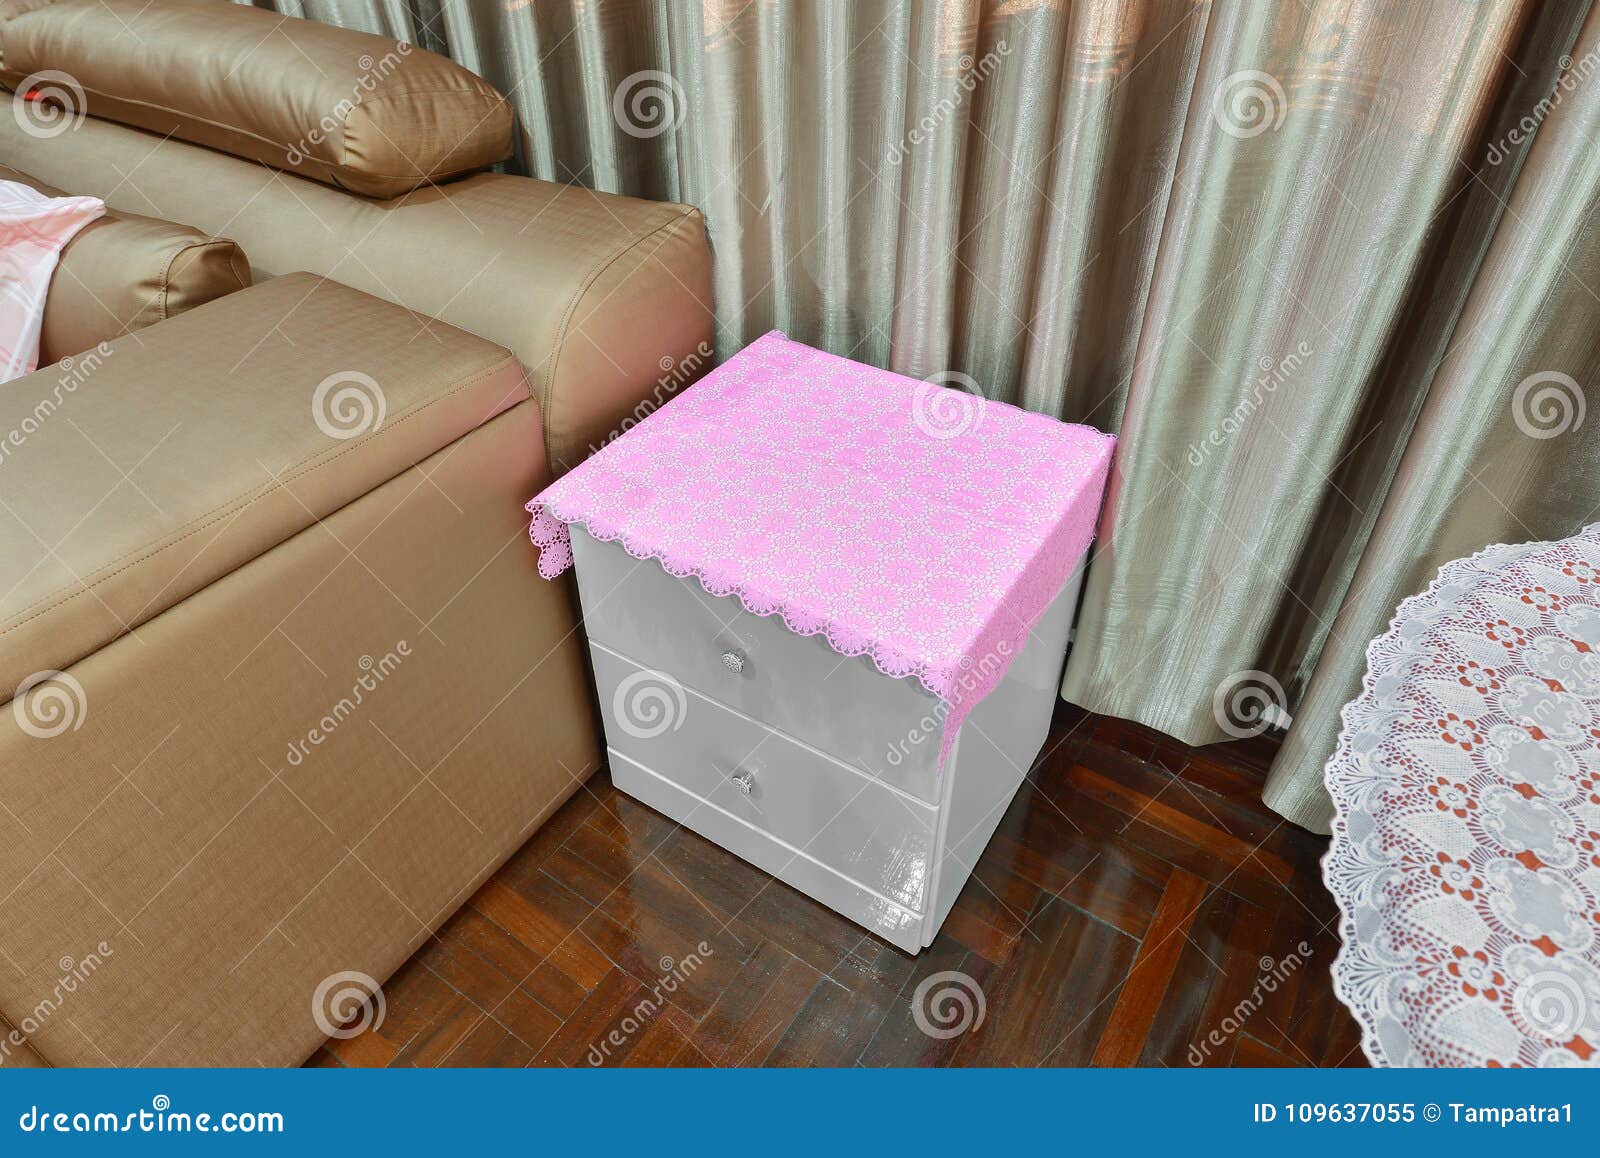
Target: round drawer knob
(745,782)
(733,661)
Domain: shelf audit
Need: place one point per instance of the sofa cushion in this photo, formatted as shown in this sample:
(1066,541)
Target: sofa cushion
(124,272)
(362,112)
(184,451)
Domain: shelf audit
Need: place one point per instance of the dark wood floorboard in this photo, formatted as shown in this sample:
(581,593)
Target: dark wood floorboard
(1137,906)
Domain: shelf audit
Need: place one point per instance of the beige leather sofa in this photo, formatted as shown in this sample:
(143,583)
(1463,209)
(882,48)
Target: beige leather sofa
(287,686)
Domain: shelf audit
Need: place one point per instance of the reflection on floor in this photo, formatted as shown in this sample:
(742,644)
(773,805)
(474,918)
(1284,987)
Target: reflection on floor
(1139,906)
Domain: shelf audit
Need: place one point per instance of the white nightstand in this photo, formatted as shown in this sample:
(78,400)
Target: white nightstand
(807,738)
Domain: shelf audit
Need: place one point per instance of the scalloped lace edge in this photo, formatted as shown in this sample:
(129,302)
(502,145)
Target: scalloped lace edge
(1340,847)
(826,628)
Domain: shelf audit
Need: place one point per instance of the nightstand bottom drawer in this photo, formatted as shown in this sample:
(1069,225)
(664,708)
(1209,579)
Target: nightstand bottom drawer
(896,924)
(839,817)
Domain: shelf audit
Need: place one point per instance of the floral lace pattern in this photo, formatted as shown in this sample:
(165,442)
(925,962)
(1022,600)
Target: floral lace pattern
(923,527)
(1466,836)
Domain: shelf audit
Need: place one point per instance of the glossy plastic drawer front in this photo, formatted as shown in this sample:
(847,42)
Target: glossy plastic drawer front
(852,823)
(889,728)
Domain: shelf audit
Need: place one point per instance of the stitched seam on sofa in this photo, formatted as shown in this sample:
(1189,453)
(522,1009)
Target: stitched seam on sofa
(312,163)
(504,106)
(428,177)
(166,274)
(233,264)
(316,162)
(201,522)
(192,116)
(548,402)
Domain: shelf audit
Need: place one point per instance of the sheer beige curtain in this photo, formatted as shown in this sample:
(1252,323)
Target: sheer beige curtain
(1303,257)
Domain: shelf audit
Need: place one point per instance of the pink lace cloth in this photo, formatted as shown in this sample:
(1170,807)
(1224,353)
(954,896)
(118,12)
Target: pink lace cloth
(34,229)
(1466,836)
(926,528)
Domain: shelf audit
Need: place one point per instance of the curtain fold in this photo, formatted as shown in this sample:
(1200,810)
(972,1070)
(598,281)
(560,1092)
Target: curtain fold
(1299,256)
(1503,450)
(1314,191)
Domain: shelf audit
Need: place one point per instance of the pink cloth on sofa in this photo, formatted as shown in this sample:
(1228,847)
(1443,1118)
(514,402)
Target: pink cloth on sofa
(924,527)
(34,229)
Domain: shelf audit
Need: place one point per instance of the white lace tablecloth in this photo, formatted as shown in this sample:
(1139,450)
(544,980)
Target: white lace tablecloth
(1466,836)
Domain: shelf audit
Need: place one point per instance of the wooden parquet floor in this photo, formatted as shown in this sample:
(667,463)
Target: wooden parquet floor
(1138,906)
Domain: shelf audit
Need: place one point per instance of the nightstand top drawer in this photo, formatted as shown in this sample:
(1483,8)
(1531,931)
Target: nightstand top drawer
(925,528)
(890,729)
